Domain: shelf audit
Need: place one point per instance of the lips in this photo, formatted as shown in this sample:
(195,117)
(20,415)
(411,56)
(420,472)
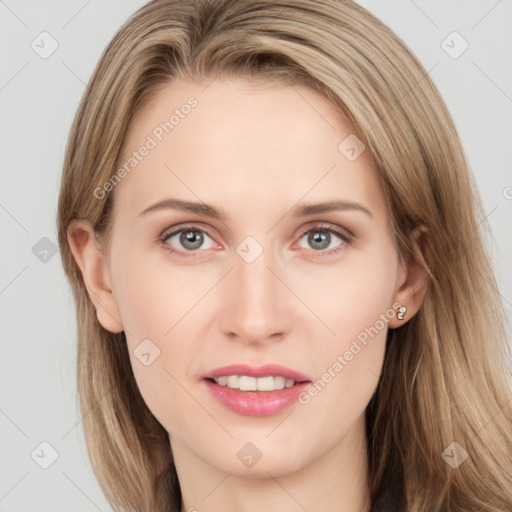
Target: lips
(267,370)
(256,391)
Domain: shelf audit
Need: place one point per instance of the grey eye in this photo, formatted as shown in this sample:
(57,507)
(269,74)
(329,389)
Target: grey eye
(189,239)
(320,239)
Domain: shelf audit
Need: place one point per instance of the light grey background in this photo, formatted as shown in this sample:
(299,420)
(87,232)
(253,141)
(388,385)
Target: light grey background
(38,98)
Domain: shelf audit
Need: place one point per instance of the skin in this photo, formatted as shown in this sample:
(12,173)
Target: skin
(255,151)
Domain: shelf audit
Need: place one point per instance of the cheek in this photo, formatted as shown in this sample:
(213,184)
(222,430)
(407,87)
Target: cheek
(357,306)
(153,295)
(356,294)
(157,304)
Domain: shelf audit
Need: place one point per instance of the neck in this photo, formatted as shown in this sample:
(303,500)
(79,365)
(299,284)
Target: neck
(334,481)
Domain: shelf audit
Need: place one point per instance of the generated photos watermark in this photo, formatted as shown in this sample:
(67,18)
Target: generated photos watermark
(344,359)
(152,140)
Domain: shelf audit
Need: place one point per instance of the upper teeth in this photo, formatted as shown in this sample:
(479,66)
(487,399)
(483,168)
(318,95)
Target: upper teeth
(245,383)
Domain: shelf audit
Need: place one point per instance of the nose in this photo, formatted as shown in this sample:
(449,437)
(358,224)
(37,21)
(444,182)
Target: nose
(257,307)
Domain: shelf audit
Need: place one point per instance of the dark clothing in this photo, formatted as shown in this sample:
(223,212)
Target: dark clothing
(386,502)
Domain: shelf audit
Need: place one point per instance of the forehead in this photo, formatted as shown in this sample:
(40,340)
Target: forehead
(239,141)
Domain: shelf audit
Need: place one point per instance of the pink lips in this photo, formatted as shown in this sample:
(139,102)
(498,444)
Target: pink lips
(256,403)
(257,371)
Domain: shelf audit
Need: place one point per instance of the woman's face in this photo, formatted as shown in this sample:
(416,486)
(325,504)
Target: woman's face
(218,258)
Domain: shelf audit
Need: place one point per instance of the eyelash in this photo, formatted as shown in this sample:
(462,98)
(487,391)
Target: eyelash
(347,239)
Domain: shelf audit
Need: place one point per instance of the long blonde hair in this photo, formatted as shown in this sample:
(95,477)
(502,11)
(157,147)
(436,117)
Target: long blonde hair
(445,375)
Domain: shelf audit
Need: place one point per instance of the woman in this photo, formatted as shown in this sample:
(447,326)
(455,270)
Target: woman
(283,297)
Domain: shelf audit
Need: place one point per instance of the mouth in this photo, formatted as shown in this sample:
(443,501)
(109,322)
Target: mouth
(256,391)
(248,383)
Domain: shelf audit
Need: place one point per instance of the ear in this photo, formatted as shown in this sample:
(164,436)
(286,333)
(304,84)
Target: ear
(414,280)
(89,257)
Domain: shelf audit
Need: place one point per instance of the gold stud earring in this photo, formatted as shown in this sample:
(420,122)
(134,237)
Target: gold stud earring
(401,312)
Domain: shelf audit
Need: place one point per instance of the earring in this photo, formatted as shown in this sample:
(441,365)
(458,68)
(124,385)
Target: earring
(401,312)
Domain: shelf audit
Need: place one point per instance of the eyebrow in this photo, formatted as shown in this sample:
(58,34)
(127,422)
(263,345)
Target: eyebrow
(208,210)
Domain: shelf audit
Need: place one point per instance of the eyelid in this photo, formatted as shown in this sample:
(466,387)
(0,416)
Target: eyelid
(344,233)
(167,232)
